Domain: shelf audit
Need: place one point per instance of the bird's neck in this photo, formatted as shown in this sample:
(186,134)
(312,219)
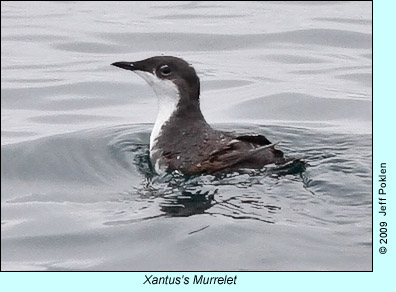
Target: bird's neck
(167,106)
(184,111)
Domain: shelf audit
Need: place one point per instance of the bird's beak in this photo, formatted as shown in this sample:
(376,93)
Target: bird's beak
(125,65)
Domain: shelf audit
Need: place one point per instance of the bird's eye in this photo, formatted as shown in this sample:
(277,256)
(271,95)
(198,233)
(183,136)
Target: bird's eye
(165,70)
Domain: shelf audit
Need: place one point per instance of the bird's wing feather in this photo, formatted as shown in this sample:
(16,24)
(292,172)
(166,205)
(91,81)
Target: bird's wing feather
(240,150)
(254,139)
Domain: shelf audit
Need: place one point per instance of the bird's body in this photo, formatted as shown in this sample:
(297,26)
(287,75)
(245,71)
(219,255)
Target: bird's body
(181,139)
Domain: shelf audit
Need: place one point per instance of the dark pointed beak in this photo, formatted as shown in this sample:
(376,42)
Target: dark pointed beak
(125,65)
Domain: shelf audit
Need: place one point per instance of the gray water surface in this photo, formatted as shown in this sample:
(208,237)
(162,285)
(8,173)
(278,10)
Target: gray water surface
(77,192)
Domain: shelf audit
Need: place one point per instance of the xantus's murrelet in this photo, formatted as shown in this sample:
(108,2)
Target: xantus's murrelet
(181,138)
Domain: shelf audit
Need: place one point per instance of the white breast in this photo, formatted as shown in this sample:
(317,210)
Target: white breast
(168,98)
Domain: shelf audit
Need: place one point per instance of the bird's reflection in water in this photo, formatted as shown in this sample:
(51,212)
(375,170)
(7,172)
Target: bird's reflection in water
(183,196)
(188,203)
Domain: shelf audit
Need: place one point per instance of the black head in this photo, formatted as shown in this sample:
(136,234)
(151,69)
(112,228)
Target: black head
(168,68)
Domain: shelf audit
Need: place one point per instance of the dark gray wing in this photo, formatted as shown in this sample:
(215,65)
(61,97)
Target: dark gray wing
(259,140)
(245,151)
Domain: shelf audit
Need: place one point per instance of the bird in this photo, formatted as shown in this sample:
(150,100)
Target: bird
(181,139)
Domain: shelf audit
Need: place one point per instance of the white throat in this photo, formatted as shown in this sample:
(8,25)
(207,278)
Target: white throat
(168,98)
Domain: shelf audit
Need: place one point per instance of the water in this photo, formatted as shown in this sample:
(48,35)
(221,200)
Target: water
(77,192)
